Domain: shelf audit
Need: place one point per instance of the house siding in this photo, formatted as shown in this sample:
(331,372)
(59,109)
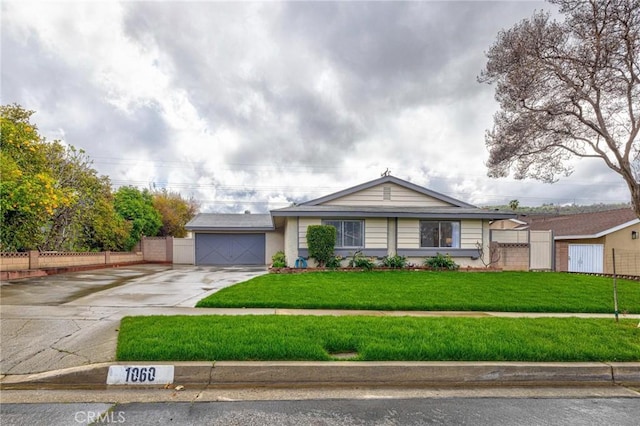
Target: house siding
(627,252)
(303,224)
(392,235)
(274,242)
(409,233)
(375,233)
(399,196)
(470,233)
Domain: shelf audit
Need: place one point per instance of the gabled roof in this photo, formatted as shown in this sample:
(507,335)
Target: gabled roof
(230,222)
(585,225)
(387,179)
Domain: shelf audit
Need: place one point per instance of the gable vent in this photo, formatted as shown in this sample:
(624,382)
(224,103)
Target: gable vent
(386,193)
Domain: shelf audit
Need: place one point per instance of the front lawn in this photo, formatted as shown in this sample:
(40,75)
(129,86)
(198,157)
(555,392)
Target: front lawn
(313,338)
(431,291)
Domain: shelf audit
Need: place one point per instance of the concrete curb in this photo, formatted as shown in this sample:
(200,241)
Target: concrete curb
(347,373)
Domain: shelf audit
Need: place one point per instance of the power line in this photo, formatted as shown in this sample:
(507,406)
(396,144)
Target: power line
(168,165)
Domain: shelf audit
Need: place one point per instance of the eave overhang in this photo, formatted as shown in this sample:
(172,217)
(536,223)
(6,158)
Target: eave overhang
(434,213)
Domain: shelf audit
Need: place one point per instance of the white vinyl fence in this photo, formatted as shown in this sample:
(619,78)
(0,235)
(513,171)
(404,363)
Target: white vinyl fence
(184,251)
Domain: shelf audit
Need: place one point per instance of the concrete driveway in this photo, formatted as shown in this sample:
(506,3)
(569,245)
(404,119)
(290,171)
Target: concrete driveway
(68,320)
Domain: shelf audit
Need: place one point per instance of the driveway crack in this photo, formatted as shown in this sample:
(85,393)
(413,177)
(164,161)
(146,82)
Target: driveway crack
(17,332)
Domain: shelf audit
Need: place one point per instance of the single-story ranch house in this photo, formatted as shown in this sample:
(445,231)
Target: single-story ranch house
(386,216)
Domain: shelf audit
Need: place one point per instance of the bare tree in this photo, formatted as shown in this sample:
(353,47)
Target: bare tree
(494,253)
(568,89)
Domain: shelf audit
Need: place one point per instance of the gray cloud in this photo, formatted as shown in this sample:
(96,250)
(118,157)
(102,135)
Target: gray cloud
(288,100)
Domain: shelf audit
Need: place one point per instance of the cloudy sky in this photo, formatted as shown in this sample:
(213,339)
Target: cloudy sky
(256,105)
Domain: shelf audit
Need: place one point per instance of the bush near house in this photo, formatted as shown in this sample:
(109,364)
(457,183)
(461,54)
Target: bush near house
(441,262)
(279,260)
(321,240)
(394,262)
(334,262)
(358,260)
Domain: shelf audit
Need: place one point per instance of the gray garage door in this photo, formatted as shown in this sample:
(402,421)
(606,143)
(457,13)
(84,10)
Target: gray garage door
(230,249)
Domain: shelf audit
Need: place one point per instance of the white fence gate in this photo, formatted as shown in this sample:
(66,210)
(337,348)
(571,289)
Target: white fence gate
(587,258)
(541,250)
(184,252)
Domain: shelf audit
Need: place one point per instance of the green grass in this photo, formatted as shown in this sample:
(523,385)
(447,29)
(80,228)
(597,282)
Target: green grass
(431,291)
(217,338)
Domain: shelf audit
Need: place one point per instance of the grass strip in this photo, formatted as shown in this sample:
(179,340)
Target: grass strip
(313,338)
(431,291)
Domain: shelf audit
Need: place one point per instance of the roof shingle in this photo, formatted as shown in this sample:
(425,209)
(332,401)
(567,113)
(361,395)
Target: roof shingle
(230,222)
(581,224)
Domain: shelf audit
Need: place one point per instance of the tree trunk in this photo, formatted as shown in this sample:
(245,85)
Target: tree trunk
(634,189)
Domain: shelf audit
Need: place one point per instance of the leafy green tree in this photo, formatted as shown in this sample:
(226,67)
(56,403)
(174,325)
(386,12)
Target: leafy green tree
(102,228)
(29,192)
(89,222)
(136,207)
(175,212)
(568,89)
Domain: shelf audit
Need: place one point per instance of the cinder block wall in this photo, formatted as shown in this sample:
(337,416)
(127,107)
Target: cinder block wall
(65,260)
(157,249)
(14,261)
(513,257)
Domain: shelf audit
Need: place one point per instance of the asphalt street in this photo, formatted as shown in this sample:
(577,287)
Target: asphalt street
(344,412)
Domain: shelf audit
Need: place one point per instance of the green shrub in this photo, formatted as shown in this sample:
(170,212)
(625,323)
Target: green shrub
(358,260)
(279,260)
(441,262)
(394,262)
(334,262)
(321,240)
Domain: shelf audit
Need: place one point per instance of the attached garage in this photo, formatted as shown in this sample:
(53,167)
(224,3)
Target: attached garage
(232,239)
(230,249)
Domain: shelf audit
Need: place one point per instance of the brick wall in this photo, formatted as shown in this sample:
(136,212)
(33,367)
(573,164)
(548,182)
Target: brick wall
(562,256)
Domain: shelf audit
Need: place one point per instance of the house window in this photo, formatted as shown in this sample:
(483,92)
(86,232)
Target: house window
(349,233)
(439,233)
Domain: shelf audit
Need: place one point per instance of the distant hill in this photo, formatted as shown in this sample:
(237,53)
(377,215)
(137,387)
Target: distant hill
(552,209)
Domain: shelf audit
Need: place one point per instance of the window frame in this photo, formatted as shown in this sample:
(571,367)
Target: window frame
(455,237)
(340,232)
